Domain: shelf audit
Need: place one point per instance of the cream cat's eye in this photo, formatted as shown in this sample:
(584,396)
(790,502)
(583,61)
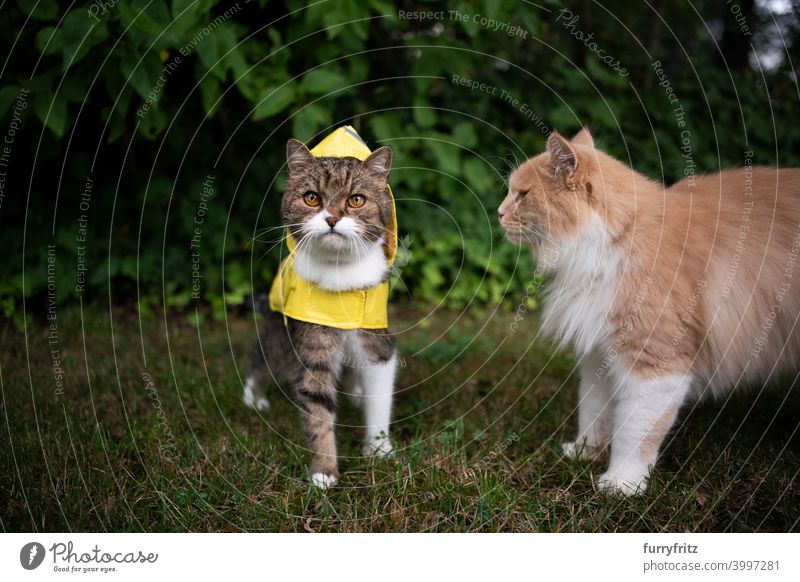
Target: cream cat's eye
(311,198)
(356,201)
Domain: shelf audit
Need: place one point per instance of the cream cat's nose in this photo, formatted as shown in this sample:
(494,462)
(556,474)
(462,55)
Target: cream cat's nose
(500,213)
(332,220)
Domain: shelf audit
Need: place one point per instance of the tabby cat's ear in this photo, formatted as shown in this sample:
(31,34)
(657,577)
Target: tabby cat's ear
(562,156)
(379,162)
(298,158)
(583,137)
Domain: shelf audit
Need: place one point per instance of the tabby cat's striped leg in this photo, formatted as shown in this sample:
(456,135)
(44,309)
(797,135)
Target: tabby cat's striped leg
(316,397)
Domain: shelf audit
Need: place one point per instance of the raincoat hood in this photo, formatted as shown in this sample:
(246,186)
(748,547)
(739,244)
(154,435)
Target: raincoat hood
(303,300)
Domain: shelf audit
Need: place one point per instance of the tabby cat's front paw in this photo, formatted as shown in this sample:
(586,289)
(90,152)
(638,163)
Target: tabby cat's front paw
(252,398)
(323,480)
(618,484)
(379,447)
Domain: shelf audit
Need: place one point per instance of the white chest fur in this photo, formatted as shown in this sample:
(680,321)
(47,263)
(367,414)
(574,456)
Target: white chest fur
(580,295)
(342,272)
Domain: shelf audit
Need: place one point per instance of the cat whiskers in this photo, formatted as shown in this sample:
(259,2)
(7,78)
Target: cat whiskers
(262,231)
(275,243)
(537,233)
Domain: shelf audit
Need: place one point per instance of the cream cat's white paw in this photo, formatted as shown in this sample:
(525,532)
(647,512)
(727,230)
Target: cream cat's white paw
(379,447)
(615,484)
(574,450)
(322,480)
(570,449)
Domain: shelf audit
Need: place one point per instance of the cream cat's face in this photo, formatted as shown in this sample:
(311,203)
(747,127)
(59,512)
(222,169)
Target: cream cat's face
(550,195)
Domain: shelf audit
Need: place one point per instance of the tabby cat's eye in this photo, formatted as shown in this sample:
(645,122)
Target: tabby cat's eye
(356,201)
(311,198)
(521,194)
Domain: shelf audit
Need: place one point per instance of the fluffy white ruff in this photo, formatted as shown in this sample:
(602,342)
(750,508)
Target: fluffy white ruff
(580,295)
(339,259)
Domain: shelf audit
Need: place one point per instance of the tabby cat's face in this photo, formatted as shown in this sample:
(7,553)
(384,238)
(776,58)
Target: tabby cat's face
(337,206)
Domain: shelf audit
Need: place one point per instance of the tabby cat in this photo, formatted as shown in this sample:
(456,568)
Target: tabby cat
(339,213)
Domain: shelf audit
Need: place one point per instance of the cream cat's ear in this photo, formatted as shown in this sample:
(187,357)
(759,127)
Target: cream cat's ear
(379,162)
(562,156)
(298,158)
(583,137)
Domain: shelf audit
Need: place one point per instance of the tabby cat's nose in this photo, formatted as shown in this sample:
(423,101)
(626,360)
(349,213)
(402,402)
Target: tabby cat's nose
(500,213)
(332,220)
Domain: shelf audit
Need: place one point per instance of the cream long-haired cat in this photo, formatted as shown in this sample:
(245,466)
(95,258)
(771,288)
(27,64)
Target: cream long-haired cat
(665,293)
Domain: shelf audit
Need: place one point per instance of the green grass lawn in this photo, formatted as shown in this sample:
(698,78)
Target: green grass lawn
(480,412)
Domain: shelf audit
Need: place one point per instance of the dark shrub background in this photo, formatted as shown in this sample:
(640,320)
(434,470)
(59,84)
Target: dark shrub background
(148,99)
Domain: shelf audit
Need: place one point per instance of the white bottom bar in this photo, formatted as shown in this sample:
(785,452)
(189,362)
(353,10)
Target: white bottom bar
(389,557)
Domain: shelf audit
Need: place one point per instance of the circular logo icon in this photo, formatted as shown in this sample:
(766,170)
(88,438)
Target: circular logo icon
(31,555)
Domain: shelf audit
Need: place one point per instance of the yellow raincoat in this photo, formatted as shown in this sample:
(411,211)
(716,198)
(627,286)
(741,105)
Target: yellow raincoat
(299,299)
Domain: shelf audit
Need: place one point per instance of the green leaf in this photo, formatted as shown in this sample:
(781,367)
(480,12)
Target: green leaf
(322,81)
(52,112)
(191,9)
(478,176)
(41,9)
(446,156)
(424,115)
(116,126)
(310,120)
(209,55)
(210,92)
(144,76)
(272,101)
(79,34)
(152,123)
(148,23)
(48,41)
(7,96)
(464,133)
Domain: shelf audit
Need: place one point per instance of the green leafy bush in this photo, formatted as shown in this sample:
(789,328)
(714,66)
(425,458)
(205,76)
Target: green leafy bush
(151,99)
